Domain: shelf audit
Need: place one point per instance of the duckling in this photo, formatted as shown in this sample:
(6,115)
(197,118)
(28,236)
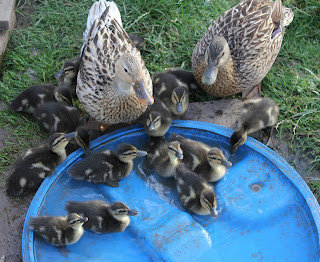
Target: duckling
(82,139)
(32,97)
(137,40)
(68,74)
(256,114)
(185,77)
(164,157)
(107,167)
(171,91)
(36,164)
(57,117)
(103,217)
(59,230)
(156,119)
(207,162)
(195,193)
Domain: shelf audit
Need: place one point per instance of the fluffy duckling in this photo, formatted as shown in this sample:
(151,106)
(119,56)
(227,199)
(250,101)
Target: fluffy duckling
(36,164)
(68,74)
(207,162)
(103,217)
(171,91)
(82,139)
(156,119)
(164,157)
(57,117)
(137,40)
(32,97)
(59,231)
(256,114)
(107,167)
(195,193)
(185,77)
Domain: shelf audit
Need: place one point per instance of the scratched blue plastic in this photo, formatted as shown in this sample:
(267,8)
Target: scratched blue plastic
(278,223)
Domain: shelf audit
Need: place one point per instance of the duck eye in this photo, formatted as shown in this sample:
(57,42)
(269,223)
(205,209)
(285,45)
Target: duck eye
(222,54)
(126,70)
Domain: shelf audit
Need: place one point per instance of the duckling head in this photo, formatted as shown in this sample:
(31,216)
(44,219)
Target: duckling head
(69,70)
(209,202)
(216,55)
(128,73)
(75,221)
(58,141)
(154,121)
(63,95)
(238,138)
(216,157)
(83,139)
(174,151)
(180,98)
(120,210)
(127,152)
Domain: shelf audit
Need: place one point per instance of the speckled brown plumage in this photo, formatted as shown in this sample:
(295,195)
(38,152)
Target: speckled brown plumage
(248,29)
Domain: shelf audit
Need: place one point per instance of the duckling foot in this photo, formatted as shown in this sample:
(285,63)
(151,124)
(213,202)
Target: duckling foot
(255,92)
(64,251)
(95,125)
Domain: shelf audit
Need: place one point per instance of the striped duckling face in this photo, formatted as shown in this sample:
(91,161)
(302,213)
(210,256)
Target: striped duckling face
(238,138)
(69,70)
(208,201)
(216,157)
(127,152)
(119,210)
(75,221)
(174,150)
(154,121)
(63,95)
(180,98)
(58,141)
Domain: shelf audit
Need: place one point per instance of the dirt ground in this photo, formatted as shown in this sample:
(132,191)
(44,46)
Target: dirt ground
(13,211)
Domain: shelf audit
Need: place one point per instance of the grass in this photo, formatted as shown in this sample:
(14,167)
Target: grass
(171,29)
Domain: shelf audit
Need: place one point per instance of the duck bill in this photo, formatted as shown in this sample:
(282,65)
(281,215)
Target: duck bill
(60,74)
(213,212)
(83,219)
(70,136)
(141,153)
(142,94)
(226,163)
(86,150)
(132,212)
(179,155)
(179,107)
(232,150)
(151,127)
(210,75)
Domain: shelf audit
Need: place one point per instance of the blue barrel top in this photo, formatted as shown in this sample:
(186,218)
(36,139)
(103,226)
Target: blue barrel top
(266,211)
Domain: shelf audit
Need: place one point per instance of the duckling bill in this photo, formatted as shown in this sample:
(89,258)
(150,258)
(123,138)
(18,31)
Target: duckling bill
(36,164)
(107,167)
(59,230)
(103,217)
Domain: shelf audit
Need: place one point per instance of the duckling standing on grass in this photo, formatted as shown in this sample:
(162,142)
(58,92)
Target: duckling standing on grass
(68,74)
(107,167)
(32,97)
(256,114)
(195,193)
(163,157)
(57,117)
(207,162)
(36,164)
(156,119)
(171,91)
(103,217)
(59,231)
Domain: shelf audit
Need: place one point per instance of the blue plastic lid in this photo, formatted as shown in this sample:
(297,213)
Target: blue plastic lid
(266,211)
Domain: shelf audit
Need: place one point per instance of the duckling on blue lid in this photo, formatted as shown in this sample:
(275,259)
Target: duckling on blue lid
(82,139)
(195,193)
(107,167)
(207,162)
(103,217)
(32,97)
(164,157)
(36,164)
(156,119)
(256,114)
(57,117)
(59,230)
(171,91)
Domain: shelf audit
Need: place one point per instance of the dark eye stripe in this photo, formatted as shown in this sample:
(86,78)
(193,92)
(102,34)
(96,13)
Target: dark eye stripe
(58,141)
